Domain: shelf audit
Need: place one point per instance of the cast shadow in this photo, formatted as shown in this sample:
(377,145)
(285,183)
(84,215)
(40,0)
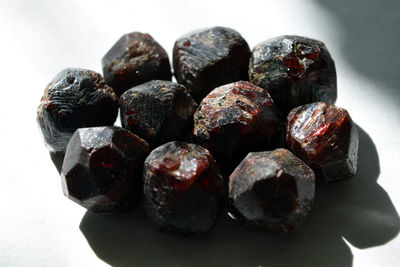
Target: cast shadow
(57,158)
(371,38)
(358,210)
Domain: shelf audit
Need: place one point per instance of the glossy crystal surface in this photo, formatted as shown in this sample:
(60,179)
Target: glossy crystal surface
(325,137)
(102,169)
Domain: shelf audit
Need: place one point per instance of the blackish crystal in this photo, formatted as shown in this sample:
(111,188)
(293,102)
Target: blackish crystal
(134,59)
(235,119)
(75,98)
(158,111)
(325,137)
(183,188)
(209,58)
(102,169)
(272,190)
(295,70)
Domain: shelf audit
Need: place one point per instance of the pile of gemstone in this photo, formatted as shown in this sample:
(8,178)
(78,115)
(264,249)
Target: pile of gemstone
(244,132)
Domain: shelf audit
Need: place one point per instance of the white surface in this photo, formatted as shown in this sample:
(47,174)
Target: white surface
(353,223)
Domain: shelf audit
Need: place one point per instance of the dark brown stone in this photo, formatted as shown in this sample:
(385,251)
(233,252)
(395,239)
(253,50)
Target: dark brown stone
(102,169)
(75,98)
(272,190)
(295,70)
(183,188)
(158,111)
(209,58)
(235,119)
(134,59)
(325,137)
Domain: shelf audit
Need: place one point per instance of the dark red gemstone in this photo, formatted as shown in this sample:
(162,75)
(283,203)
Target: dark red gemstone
(295,70)
(102,169)
(134,59)
(272,190)
(209,58)
(75,98)
(158,111)
(183,188)
(325,137)
(235,119)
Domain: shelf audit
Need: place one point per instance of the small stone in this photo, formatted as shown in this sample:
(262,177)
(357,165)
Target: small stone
(102,169)
(295,70)
(158,111)
(235,119)
(209,58)
(134,59)
(272,190)
(183,188)
(75,98)
(325,137)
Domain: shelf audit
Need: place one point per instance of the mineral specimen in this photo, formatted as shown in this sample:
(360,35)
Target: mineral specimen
(183,188)
(102,169)
(235,119)
(158,111)
(295,70)
(272,190)
(75,98)
(209,58)
(134,59)
(324,137)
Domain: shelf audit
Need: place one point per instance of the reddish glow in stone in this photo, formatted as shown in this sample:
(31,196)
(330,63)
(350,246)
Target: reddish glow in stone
(102,169)
(324,137)
(183,188)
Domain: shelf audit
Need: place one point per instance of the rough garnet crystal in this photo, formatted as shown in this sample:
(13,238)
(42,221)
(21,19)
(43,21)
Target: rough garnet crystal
(209,58)
(295,70)
(158,111)
(183,188)
(272,190)
(102,169)
(324,137)
(75,98)
(134,59)
(235,119)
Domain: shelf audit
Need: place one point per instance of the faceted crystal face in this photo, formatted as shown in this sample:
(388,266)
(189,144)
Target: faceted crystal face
(158,111)
(75,98)
(235,119)
(183,188)
(295,70)
(134,59)
(209,58)
(102,169)
(272,190)
(324,137)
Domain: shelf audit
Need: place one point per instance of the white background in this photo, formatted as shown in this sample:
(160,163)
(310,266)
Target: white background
(353,223)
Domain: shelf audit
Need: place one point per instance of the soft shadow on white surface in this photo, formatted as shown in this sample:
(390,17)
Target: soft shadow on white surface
(358,210)
(371,39)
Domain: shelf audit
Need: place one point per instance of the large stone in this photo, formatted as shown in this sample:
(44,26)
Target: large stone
(236,119)
(158,111)
(75,98)
(183,188)
(134,59)
(272,190)
(209,58)
(295,70)
(102,169)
